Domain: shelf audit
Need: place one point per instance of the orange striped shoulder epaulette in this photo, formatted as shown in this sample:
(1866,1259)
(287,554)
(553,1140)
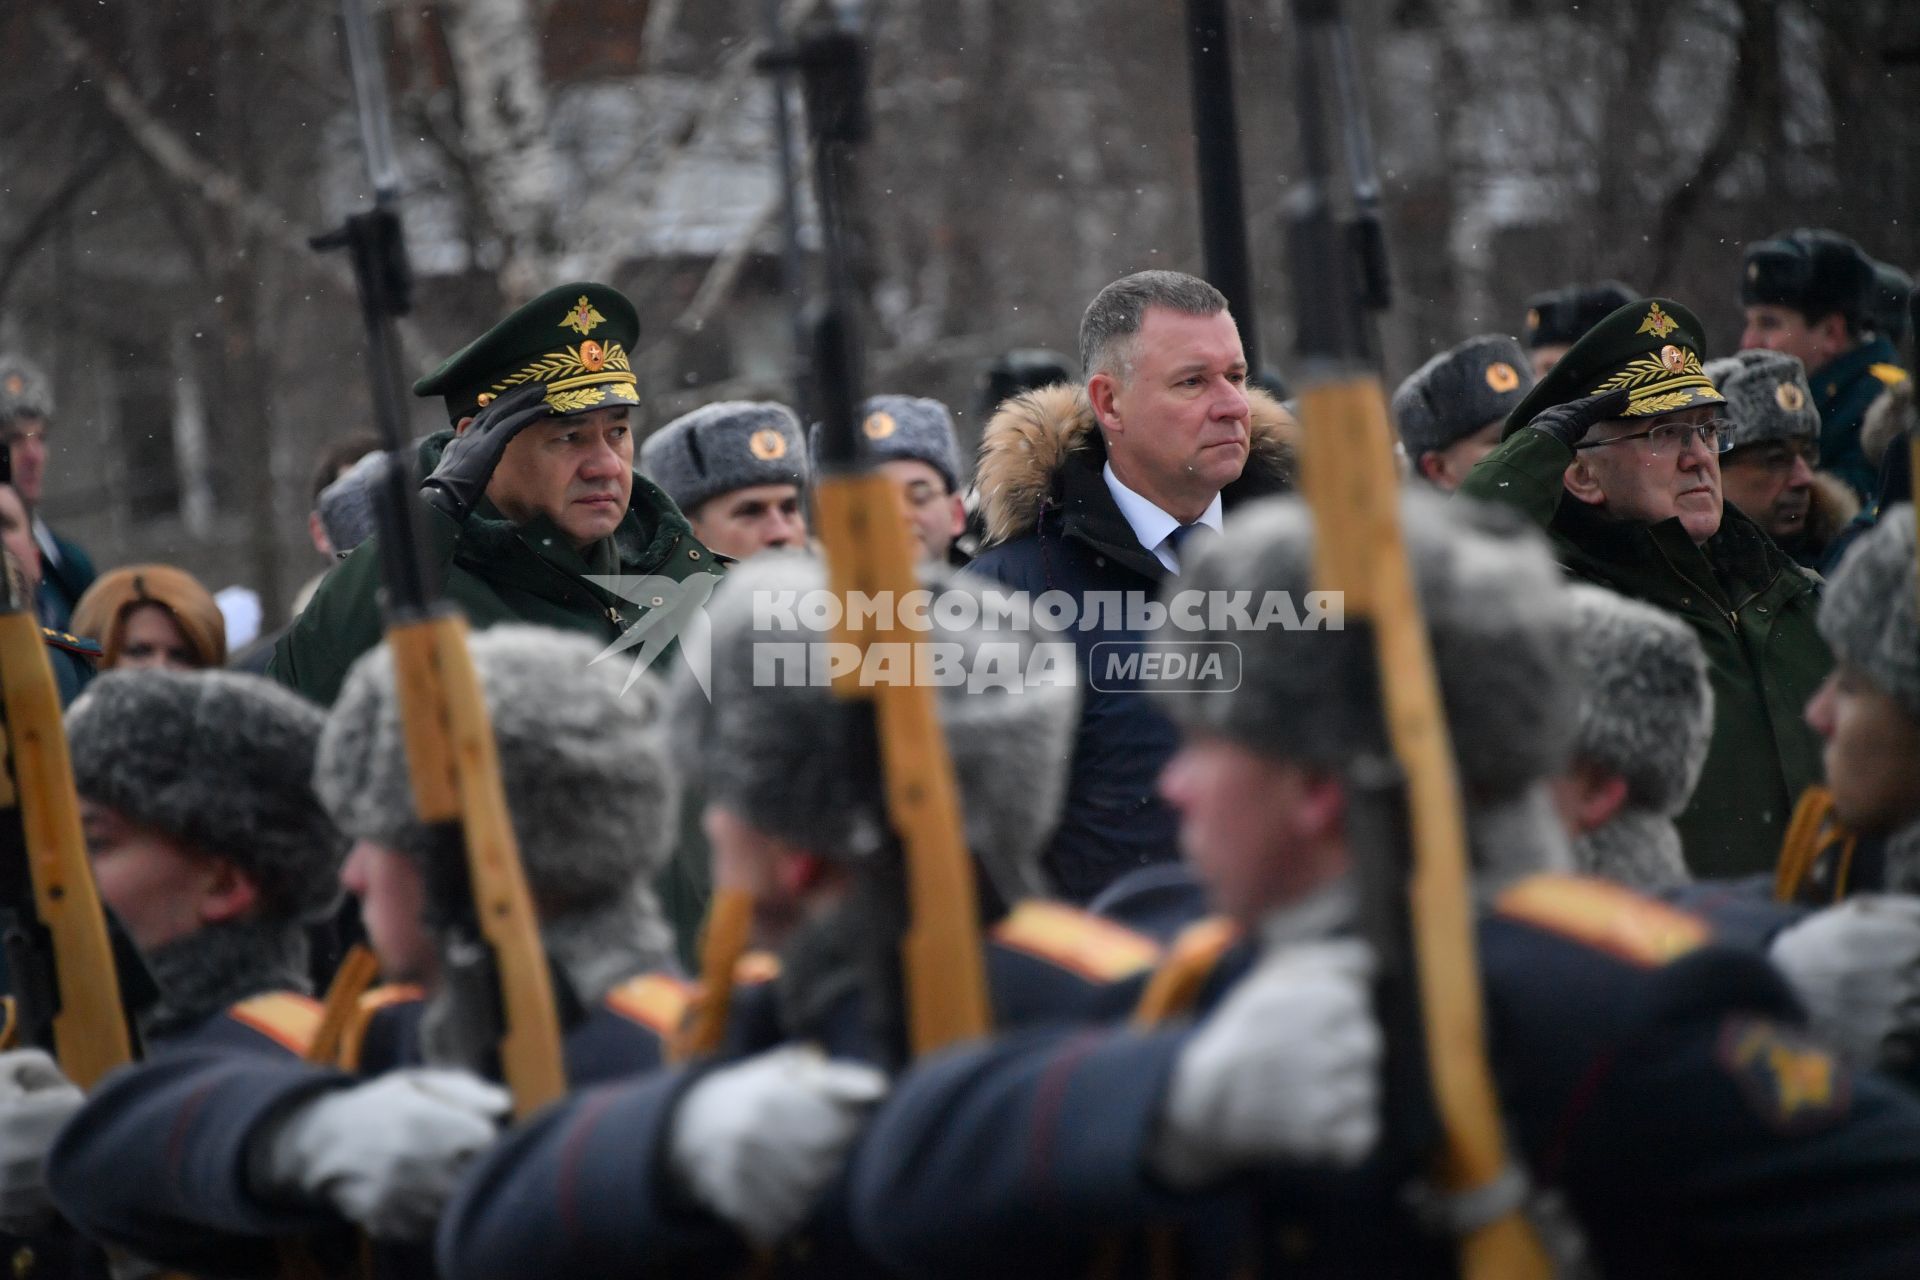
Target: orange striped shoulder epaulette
(285,1017)
(656,1001)
(1606,916)
(1077,941)
(1888,374)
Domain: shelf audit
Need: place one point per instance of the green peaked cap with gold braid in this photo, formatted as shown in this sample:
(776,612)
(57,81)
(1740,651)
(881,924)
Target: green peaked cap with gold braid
(577,339)
(1653,347)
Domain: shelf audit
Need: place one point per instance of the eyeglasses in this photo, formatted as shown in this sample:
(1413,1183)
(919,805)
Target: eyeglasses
(1671,437)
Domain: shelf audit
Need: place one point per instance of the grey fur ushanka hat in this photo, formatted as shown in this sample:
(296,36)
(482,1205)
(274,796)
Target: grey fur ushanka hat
(1869,614)
(1646,706)
(1767,397)
(593,795)
(717,448)
(221,762)
(1461,391)
(777,753)
(1496,611)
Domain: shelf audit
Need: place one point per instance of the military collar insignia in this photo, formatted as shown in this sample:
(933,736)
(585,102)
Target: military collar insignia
(1658,323)
(1501,377)
(584,317)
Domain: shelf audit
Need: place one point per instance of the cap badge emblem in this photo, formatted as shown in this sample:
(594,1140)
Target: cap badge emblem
(583,317)
(767,445)
(1790,397)
(15,384)
(879,426)
(1658,323)
(1501,377)
(1673,357)
(592,356)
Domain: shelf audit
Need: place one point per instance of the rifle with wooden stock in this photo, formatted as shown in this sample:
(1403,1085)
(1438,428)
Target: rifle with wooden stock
(1406,815)
(495,966)
(64,964)
(935,989)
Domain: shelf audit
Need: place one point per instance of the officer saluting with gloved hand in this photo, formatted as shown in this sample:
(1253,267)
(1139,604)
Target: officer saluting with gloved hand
(533,491)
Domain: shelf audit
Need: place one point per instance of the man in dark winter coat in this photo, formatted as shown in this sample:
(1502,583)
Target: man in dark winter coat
(210,1161)
(1616,453)
(1663,1105)
(535,501)
(1090,492)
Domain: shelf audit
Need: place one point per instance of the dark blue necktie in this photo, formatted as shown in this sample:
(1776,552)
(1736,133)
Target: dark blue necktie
(1177,540)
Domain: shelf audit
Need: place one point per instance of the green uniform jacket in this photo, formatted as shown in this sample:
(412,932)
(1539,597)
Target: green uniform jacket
(1752,608)
(1844,390)
(496,572)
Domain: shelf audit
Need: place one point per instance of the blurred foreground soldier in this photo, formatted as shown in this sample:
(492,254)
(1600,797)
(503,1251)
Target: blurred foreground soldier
(1616,453)
(1645,719)
(912,440)
(1773,448)
(26,413)
(533,495)
(208,846)
(1561,317)
(1807,294)
(738,469)
(1450,410)
(1654,1084)
(207,1162)
(1091,492)
(684,1172)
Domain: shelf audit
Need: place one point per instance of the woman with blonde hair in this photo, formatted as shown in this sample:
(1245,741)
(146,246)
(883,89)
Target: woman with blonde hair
(152,615)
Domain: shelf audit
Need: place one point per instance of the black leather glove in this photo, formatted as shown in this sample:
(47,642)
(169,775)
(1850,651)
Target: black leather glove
(468,461)
(1568,422)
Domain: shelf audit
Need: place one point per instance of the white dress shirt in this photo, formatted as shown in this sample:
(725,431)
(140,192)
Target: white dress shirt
(1151,525)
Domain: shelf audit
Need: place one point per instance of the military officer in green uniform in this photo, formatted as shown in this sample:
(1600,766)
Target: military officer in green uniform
(1616,454)
(537,515)
(1811,294)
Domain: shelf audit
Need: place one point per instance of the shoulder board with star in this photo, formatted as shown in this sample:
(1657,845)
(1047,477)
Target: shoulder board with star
(1890,374)
(284,1017)
(1096,949)
(79,646)
(653,1000)
(1605,916)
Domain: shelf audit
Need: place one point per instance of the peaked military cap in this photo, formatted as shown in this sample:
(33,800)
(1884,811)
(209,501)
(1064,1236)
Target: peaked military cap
(1560,317)
(1815,272)
(577,339)
(1460,391)
(1651,347)
(1887,308)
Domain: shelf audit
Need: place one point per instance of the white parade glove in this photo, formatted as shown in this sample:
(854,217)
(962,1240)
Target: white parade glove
(1286,1069)
(387,1154)
(36,1101)
(1856,966)
(759,1142)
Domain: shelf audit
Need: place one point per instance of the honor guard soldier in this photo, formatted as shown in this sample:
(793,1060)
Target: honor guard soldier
(1656,1090)
(738,469)
(1807,293)
(1773,452)
(1450,410)
(213,1162)
(1559,318)
(686,1172)
(1616,454)
(912,441)
(208,846)
(533,494)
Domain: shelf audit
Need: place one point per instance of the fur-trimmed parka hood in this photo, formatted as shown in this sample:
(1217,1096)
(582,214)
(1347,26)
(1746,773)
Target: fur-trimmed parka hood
(1031,435)
(1831,507)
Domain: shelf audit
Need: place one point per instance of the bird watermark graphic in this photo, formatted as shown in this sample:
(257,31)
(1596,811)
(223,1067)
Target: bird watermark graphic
(676,609)
(981,639)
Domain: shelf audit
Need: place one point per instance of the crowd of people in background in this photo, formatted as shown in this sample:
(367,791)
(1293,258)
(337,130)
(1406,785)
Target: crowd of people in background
(1674,605)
